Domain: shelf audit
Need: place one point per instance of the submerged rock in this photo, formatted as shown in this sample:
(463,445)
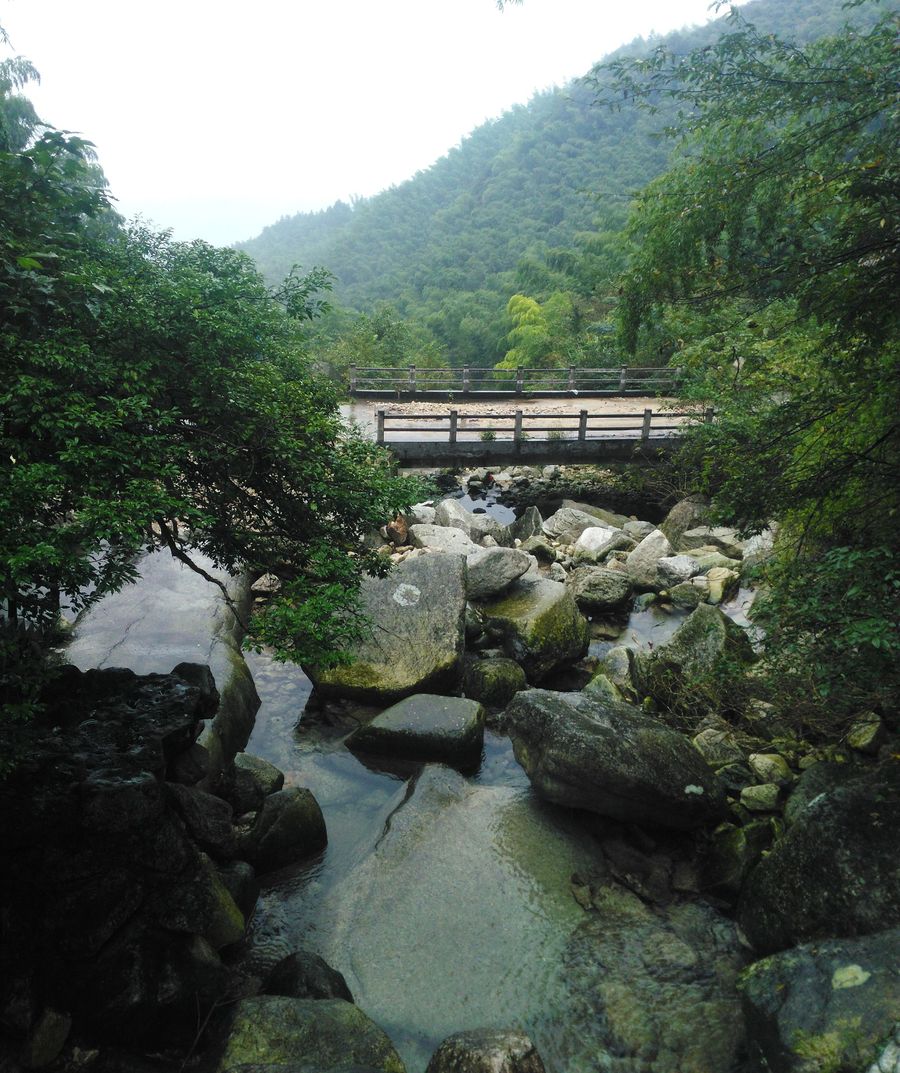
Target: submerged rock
(586,751)
(277,1033)
(540,623)
(487,1050)
(826,1006)
(425,727)
(416,644)
(304,974)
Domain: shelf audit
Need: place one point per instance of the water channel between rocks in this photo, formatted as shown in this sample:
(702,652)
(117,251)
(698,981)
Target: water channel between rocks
(447,903)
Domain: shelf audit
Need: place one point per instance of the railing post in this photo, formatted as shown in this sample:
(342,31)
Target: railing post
(412,379)
(679,376)
(454,421)
(520,380)
(582,425)
(517,430)
(379,436)
(708,414)
(571,378)
(623,379)
(645,431)
(467,385)
(352,372)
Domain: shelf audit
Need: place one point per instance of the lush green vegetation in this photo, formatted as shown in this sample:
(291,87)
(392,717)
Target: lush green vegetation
(156,395)
(766,257)
(532,204)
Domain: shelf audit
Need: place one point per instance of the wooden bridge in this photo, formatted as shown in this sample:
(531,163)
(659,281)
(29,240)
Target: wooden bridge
(470,382)
(485,438)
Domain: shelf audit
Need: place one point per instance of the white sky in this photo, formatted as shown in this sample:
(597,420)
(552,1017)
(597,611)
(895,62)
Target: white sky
(215,118)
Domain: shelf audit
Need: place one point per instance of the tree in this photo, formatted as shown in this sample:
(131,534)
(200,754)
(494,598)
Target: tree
(768,257)
(156,395)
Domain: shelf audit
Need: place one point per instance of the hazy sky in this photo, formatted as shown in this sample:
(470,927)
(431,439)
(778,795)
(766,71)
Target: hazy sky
(215,118)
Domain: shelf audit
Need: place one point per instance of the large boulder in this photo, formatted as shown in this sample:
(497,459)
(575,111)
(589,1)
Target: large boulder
(491,570)
(418,635)
(606,517)
(540,623)
(568,523)
(688,513)
(596,543)
(288,827)
(587,751)
(278,1033)
(673,570)
(425,727)
(642,563)
(596,589)
(304,974)
(450,513)
(441,538)
(704,536)
(528,524)
(488,1050)
(827,1006)
(694,655)
(836,872)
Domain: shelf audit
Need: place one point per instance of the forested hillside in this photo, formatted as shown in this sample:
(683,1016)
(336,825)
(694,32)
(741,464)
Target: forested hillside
(533,203)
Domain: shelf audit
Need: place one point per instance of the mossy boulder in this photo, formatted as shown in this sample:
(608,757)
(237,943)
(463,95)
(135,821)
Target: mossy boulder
(288,828)
(425,727)
(699,655)
(824,1008)
(596,589)
(540,624)
(418,633)
(494,682)
(305,1034)
(587,751)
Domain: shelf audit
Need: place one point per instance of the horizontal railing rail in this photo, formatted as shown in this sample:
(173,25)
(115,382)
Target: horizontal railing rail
(619,380)
(521,425)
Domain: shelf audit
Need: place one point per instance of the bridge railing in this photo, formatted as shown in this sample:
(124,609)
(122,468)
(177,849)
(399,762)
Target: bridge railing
(618,380)
(520,425)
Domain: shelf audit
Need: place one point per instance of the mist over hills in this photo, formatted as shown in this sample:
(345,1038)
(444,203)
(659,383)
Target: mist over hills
(530,202)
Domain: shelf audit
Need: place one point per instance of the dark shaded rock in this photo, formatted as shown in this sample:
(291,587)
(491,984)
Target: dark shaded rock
(304,974)
(486,1050)
(425,727)
(836,873)
(190,767)
(288,827)
(493,682)
(200,676)
(198,902)
(586,751)
(266,776)
(828,1006)
(207,818)
(273,1031)
(46,1039)
(819,779)
(540,548)
(417,642)
(240,881)
(733,852)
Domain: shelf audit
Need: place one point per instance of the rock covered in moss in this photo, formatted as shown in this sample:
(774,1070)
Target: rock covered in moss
(586,751)
(276,1032)
(418,635)
(425,727)
(540,624)
(822,1007)
(493,681)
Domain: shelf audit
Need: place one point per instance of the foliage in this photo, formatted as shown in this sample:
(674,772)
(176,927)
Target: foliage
(156,396)
(766,258)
